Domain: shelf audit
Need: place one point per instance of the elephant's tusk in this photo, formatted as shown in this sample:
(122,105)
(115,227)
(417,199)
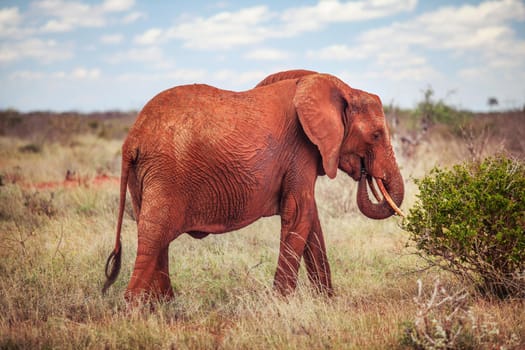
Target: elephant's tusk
(388,198)
(373,188)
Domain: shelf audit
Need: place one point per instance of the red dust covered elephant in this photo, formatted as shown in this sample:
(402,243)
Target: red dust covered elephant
(201,160)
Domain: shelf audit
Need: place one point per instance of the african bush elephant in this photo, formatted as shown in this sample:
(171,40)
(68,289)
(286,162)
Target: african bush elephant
(200,160)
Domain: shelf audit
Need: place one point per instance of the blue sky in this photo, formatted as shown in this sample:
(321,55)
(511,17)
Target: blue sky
(117,54)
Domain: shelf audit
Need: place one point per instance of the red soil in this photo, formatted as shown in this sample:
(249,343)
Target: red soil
(72,182)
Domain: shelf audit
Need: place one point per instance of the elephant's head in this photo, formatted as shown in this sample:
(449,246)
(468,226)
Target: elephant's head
(349,128)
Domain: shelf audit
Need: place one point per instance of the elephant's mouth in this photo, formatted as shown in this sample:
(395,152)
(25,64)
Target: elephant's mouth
(375,183)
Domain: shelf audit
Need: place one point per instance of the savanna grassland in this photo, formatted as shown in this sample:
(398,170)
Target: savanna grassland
(58,210)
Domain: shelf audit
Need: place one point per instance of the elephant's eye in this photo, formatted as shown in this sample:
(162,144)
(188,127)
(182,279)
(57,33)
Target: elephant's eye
(376,136)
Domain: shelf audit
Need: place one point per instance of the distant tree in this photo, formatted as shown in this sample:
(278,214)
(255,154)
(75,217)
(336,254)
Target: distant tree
(492,102)
(431,111)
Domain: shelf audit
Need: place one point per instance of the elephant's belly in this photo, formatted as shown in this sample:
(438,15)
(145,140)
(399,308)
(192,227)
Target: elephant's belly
(221,220)
(228,203)
(197,234)
(200,230)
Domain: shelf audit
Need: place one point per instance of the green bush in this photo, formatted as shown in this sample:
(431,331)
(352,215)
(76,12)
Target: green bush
(430,112)
(471,221)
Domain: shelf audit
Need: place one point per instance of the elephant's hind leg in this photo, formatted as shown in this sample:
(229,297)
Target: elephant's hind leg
(150,278)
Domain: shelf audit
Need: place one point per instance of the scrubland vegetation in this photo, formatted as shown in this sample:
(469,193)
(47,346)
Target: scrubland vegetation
(54,241)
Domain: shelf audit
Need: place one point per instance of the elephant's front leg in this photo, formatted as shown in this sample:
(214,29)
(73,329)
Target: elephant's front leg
(150,278)
(295,226)
(316,260)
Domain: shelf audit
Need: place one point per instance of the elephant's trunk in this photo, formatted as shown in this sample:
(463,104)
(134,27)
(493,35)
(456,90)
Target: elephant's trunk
(392,190)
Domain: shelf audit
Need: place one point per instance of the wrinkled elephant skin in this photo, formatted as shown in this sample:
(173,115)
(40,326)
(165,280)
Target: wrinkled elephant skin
(201,160)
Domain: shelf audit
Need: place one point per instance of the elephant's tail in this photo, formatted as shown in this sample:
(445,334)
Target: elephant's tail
(114,260)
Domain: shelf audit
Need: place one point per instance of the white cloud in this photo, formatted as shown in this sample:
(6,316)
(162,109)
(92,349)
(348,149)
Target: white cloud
(235,80)
(471,72)
(7,54)
(133,17)
(55,26)
(68,15)
(267,54)
(84,73)
(174,76)
(79,73)
(224,30)
(468,27)
(149,37)
(117,5)
(419,73)
(308,18)
(400,58)
(9,16)
(256,24)
(225,78)
(152,56)
(186,75)
(111,39)
(45,51)
(486,13)
(26,75)
(482,32)
(10,23)
(338,52)
(479,39)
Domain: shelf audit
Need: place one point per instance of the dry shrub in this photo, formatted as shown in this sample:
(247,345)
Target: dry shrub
(445,320)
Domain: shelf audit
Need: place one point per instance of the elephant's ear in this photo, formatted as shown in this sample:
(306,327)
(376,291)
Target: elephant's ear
(320,105)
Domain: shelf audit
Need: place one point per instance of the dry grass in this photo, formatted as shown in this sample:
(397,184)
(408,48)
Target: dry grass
(54,243)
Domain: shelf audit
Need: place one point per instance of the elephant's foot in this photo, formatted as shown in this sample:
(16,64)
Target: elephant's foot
(319,275)
(317,265)
(143,289)
(161,287)
(290,252)
(150,279)
(287,285)
(284,285)
(285,280)
(323,287)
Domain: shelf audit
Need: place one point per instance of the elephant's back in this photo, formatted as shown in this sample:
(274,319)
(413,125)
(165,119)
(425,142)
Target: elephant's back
(178,105)
(203,111)
(199,122)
